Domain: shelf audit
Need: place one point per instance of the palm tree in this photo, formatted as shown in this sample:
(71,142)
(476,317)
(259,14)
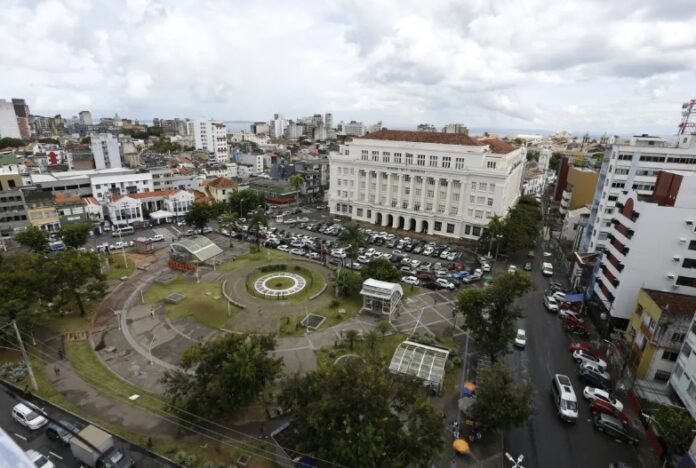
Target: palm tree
(257,220)
(351,336)
(228,222)
(353,238)
(495,227)
(383,326)
(371,339)
(296,181)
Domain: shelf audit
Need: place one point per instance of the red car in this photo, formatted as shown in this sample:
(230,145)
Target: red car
(585,347)
(571,320)
(601,406)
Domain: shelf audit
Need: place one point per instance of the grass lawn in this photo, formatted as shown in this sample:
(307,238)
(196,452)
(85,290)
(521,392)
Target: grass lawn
(69,323)
(288,327)
(199,301)
(384,349)
(247,259)
(117,268)
(166,446)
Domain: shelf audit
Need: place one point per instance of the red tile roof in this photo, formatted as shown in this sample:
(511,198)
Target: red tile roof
(423,137)
(221,182)
(64,198)
(497,145)
(139,196)
(675,303)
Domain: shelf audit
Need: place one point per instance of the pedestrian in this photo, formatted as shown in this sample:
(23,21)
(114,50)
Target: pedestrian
(56,369)
(152,312)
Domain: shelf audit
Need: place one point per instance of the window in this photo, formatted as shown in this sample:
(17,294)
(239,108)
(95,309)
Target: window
(625,157)
(678,336)
(429,194)
(446,162)
(441,208)
(669,356)
(470,212)
(459,163)
(421,160)
(691,390)
(483,186)
(438,226)
(431,181)
(686,281)
(489,214)
(490,202)
(491,188)
(375,156)
(453,210)
(397,158)
(364,155)
(450,228)
(473,186)
(467,229)
(418,193)
(429,207)
(678,371)
(621,172)
(409,158)
(476,231)
(618,184)
(686,349)
(478,214)
(652,158)
(480,200)
(455,197)
(359,212)
(491,164)
(472,199)
(386,156)
(432,161)
(661,376)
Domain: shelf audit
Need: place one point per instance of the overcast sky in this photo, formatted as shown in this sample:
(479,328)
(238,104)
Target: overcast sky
(623,66)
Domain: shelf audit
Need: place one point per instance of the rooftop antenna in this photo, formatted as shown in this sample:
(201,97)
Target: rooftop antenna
(688,110)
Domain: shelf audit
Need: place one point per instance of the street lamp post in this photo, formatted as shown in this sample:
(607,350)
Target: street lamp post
(497,246)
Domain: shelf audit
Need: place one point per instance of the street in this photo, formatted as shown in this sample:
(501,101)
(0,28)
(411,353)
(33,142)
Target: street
(545,440)
(57,453)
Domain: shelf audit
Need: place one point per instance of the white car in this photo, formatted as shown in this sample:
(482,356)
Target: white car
(563,313)
(39,459)
(452,256)
(415,263)
(581,355)
(363,259)
(560,296)
(297,251)
(339,253)
(314,256)
(412,280)
(284,248)
(486,267)
(595,368)
(370,252)
(444,254)
(520,338)
(592,393)
(427,251)
(443,273)
(551,303)
(512,268)
(157,238)
(28,416)
(444,283)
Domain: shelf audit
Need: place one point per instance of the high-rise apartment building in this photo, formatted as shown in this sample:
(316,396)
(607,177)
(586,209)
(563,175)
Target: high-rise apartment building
(434,183)
(633,165)
(455,128)
(278,126)
(106,151)
(211,135)
(86,117)
(354,128)
(328,121)
(8,121)
(21,110)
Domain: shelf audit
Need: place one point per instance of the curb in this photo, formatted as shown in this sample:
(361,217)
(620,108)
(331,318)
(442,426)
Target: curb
(229,299)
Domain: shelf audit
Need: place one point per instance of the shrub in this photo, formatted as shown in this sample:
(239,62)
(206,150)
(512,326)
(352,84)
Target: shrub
(334,303)
(298,268)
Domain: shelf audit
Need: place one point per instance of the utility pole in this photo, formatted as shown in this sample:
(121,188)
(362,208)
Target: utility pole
(25,356)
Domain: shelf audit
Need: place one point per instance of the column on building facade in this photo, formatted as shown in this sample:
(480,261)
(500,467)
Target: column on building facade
(448,202)
(436,195)
(399,192)
(424,190)
(378,179)
(367,186)
(389,189)
(412,192)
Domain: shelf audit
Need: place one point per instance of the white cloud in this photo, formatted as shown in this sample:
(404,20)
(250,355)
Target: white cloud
(620,66)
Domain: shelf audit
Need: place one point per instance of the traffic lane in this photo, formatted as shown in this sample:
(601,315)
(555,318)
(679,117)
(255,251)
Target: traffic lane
(546,440)
(58,453)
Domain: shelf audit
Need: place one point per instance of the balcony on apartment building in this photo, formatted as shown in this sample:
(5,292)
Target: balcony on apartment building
(620,249)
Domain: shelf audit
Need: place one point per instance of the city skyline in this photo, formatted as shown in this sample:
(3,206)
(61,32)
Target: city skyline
(623,67)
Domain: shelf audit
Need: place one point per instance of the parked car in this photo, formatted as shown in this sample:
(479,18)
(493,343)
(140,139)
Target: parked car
(592,378)
(62,432)
(431,285)
(570,315)
(512,268)
(615,428)
(284,248)
(594,394)
(472,278)
(596,369)
(314,256)
(581,355)
(39,459)
(297,251)
(601,406)
(412,280)
(485,267)
(528,266)
(445,284)
(428,250)
(29,416)
(584,346)
(157,238)
(576,328)
(551,304)
(520,339)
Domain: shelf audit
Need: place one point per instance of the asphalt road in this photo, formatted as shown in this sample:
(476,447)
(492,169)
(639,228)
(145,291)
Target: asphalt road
(545,440)
(57,453)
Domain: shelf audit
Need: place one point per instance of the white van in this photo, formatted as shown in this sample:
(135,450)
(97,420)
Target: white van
(123,231)
(28,416)
(564,398)
(546,269)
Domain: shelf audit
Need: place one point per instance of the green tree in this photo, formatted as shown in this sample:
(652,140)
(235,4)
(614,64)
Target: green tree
(78,278)
(381,269)
(495,227)
(26,289)
(220,376)
(75,235)
(198,215)
(348,283)
(86,141)
(371,339)
(228,222)
(555,161)
(359,414)
(34,238)
(351,336)
(352,238)
(8,142)
(490,313)
(676,427)
(296,181)
(244,201)
(383,326)
(257,220)
(532,155)
(501,403)
(522,226)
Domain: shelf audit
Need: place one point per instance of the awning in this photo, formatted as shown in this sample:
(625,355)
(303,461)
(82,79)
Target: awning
(162,214)
(573,298)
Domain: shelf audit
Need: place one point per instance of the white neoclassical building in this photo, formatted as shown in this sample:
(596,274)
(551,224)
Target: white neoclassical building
(435,183)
